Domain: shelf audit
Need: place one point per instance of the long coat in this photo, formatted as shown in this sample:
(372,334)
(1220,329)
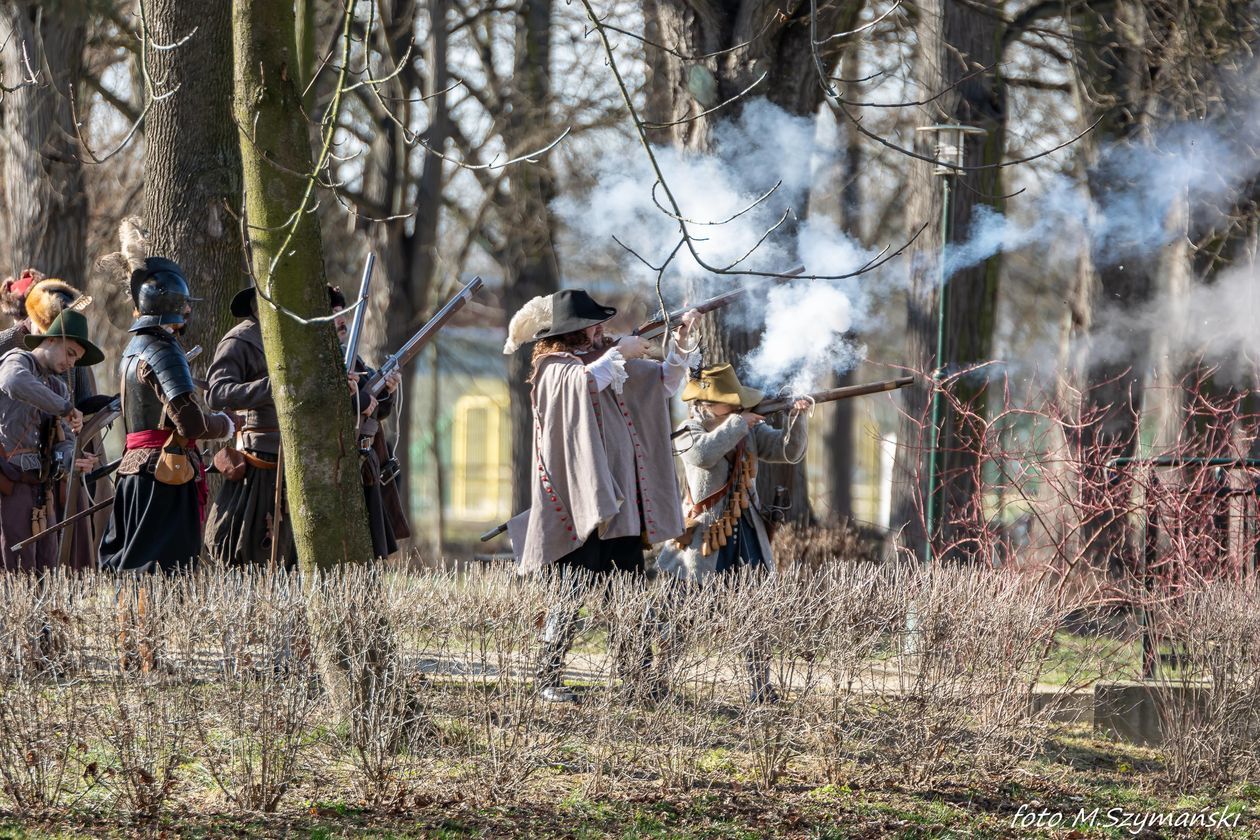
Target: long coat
(602,462)
(239,528)
(707,469)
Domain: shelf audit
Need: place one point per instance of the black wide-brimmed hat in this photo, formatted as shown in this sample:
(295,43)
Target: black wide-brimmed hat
(573,310)
(242,304)
(74,326)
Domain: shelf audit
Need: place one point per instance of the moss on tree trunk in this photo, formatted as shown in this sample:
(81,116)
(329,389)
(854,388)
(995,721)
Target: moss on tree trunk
(304,361)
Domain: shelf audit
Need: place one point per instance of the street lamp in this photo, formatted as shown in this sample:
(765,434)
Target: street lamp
(949,160)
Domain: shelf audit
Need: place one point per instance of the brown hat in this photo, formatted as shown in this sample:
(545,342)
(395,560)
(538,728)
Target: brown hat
(47,298)
(719,384)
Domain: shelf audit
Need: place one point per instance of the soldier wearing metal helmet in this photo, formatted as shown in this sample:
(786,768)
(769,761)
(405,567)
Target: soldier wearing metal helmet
(159,503)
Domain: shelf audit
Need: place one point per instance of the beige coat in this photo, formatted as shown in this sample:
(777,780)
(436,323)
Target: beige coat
(706,470)
(599,457)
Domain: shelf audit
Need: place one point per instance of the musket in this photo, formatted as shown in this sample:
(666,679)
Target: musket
(65,523)
(655,328)
(422,337)
(494,532)
(779,404)
(356,326)
(831,394)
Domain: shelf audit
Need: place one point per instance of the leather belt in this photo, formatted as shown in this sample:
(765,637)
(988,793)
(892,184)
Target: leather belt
(256,462)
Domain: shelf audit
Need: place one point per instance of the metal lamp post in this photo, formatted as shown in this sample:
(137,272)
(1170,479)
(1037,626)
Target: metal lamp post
(949,156)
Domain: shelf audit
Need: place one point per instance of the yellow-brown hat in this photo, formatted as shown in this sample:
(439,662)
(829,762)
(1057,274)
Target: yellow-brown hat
(719,384)
(48,298)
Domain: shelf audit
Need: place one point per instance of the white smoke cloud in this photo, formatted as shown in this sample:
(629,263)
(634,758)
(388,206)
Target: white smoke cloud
(804,338)
(1194,163)
(765,145)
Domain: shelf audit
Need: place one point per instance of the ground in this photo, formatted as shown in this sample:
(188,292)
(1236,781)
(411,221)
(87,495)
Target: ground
(1076,773)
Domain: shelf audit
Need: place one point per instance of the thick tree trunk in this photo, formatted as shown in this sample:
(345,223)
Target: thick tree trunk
(955,39)
(45,204)
(532,267)
(838,438)
(192,160)
(307,372)
(1112,77)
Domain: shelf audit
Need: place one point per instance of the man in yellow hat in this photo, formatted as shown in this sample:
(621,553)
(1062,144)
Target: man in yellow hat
(723,441)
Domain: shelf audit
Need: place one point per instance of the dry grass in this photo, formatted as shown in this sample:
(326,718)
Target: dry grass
(202,694)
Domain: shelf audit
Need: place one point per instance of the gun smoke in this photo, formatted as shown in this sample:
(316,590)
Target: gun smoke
(718,194)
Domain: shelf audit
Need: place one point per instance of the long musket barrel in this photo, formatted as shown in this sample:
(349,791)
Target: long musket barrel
(65,523)
(356,326)
(843,393)
(655,328)
(422,337)
(781,403)
(494,532)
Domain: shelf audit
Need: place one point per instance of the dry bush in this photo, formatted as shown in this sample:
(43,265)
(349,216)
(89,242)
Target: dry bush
(1209,703)
(493,724)
(43,751)
(255,710)
(165,693)
(352,612)
(146,714)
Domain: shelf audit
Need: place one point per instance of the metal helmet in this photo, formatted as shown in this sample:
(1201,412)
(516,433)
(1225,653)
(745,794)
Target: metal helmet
(160,293)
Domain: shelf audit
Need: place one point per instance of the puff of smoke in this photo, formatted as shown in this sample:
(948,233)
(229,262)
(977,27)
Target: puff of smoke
(1192,163)
(804,337)
(1216,323)
(763,146)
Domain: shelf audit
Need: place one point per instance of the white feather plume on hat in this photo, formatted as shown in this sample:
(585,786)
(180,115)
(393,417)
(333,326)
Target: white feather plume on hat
(525,324)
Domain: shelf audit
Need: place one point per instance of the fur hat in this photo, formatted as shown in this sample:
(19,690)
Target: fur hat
(13,292)
(47,298)
(531,319)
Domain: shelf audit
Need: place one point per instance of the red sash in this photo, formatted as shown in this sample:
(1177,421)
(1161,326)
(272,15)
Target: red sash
(155,439)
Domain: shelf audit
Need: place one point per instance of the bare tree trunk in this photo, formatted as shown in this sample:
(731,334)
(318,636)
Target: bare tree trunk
(532,266)
(308,375)
(838,437)
(956,39)
(192,160)
(45,205)
(408,258)
(1111,76)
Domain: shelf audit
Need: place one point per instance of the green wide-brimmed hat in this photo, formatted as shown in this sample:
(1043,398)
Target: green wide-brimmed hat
(719,384)
(74,326)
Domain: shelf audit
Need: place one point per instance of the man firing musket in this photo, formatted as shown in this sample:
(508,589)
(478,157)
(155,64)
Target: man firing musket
(724,441)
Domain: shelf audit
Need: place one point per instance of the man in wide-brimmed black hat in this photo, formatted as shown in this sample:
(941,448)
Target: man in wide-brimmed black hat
(38,423)
(604,485)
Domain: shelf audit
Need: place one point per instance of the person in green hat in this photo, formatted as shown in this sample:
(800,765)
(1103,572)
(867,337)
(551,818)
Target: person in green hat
(38,423)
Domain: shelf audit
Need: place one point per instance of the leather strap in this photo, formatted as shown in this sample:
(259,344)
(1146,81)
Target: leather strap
(256,462)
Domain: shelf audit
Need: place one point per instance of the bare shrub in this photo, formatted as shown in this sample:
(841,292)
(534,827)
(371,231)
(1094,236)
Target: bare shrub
(43,695)
(353,609)
(492,717)
(255,706)
(146,716)
(1209,697)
